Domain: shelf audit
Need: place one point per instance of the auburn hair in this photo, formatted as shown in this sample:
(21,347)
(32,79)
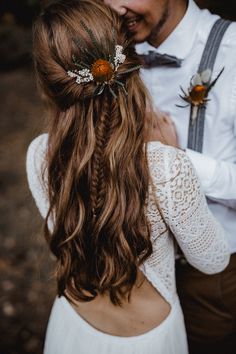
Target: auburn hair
(96,165)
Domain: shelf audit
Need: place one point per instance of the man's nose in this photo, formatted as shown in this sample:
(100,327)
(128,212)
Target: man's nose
(117,5)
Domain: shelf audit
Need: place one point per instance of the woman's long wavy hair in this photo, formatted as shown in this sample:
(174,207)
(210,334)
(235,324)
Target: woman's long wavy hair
(97,171)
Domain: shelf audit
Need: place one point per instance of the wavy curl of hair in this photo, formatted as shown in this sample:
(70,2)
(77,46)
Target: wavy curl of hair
(97,171)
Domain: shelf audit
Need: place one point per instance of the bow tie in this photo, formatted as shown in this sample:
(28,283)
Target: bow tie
(153,59)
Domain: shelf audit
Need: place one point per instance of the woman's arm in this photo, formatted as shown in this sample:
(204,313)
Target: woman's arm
(199,235)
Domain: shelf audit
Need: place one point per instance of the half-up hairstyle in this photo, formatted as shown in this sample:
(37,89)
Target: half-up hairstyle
(96,168)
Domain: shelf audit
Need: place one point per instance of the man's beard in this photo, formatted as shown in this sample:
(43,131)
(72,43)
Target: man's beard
(155,32)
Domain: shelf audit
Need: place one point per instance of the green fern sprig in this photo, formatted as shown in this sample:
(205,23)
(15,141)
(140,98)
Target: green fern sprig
(93,39)
(78,43)
(112,48)
(132,69)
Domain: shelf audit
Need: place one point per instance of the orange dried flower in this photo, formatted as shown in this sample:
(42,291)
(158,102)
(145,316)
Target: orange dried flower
(102,70)
(198,94)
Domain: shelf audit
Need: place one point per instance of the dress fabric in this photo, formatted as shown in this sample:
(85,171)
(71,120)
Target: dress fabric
(75,336)
(185,219)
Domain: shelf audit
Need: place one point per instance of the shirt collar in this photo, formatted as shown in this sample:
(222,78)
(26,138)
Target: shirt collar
(180,41)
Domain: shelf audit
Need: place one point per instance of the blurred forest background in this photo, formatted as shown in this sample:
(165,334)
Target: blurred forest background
(26,267)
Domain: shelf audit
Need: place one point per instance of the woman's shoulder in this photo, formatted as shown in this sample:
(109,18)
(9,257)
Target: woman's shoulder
(158,148)
(36,152)
(35,171)
(35,156)
(165,161)
(38,146)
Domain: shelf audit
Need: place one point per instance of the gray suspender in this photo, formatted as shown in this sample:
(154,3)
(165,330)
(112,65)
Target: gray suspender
(196,130)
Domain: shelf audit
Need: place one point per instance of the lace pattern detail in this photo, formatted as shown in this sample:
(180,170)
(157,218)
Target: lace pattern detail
(185,215)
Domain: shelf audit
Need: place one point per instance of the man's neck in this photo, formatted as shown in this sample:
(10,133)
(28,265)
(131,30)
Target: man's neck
(177,10)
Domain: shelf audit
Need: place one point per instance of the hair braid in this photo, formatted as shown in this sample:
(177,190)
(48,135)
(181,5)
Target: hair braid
(102,132)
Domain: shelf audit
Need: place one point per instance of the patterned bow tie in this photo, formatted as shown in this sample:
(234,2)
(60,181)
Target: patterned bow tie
(153,59)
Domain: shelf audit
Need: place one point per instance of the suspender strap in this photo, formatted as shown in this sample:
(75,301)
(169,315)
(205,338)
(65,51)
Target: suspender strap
(196,130)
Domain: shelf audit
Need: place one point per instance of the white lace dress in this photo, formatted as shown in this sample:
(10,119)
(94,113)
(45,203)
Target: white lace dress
(199,235)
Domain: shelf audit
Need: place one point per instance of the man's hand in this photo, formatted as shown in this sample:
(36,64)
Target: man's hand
(164,130)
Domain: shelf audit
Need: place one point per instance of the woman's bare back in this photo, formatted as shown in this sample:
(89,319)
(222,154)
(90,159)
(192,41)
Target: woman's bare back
(146,310)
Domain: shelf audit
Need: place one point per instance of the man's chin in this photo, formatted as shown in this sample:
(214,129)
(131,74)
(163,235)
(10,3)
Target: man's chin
(138,37)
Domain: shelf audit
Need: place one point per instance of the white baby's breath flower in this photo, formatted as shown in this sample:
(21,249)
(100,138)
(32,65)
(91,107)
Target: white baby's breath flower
(119,56)
(83,75)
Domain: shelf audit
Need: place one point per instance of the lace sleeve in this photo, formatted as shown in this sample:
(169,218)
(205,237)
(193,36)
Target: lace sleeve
(35,166)
(185,210)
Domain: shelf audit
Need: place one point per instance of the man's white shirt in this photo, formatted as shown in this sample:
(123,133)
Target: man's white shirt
(216,166)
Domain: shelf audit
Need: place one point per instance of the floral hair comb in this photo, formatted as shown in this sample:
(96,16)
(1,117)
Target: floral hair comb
(97,67)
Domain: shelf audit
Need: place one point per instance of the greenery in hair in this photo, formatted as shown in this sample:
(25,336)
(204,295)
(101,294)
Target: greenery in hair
(97,66)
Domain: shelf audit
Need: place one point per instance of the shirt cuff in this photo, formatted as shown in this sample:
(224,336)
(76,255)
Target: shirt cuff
(205,167)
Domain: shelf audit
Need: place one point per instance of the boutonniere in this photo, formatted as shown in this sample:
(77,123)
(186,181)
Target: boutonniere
(199,88)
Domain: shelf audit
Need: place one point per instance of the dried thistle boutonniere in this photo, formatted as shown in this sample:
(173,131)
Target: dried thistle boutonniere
(200,86)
